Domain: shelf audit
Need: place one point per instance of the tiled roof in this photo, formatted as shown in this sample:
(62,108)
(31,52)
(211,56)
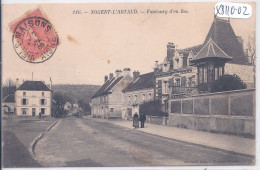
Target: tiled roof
(194,49)
(9,98)
(33,86)
(108,85)
(211,50)
(143,82)
(224,36)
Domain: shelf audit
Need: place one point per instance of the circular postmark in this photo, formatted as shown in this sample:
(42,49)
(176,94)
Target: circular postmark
(34,39)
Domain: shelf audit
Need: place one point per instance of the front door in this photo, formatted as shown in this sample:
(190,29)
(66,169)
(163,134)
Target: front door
(33,111)
(42,110)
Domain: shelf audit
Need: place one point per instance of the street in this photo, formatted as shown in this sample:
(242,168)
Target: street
(92,142)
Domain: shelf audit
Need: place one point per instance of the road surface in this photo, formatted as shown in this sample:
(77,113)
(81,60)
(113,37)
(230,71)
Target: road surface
(90,142)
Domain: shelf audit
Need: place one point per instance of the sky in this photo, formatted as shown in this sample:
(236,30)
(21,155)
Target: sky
(92,46)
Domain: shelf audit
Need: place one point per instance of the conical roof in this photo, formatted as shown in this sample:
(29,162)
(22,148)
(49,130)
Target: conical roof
(224,36)
(211,50)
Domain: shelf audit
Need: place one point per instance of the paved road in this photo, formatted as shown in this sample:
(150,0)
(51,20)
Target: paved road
(18,135)
(90,143)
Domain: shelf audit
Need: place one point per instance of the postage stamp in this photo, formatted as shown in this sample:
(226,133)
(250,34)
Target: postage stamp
(34,38)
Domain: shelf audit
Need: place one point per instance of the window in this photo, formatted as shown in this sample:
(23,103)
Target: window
(24,93)
(178,82)
(200,74)
(216,73)
(205,74)
(24,101)
(42,111)
(24,111)
(111,109)
(42,93)
(42,101)
(220,71)
(165,87)
(150,96)
(135,98)
(143,97)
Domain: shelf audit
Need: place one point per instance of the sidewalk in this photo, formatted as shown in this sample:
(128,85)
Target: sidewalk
(225,142)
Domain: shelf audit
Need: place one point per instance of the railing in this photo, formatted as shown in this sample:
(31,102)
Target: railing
(183,91)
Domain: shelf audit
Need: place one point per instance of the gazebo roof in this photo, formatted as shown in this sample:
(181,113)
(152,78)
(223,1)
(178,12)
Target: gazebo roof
(210,51)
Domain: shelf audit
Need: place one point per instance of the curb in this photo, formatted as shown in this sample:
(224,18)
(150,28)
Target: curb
(39,137)
(190,143)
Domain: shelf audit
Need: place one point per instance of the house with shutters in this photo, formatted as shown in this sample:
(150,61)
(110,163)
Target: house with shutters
(139,91)
(8,104)
(107,102)
(179,74)
(32,98)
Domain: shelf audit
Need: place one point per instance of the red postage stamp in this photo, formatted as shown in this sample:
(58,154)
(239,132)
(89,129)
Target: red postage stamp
(34,38)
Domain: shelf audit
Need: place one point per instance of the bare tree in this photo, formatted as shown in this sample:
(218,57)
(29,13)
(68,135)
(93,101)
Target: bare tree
(9,87)
(251,52)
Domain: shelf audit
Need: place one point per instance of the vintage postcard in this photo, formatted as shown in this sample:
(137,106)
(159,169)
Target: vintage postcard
(129,84)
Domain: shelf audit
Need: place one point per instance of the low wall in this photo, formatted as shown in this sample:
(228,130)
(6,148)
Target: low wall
(158,120)
(231,112)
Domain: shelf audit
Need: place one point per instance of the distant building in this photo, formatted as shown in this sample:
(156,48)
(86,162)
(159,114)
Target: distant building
(176,77)
(139,91)
(32,98)
(108,100)
(8,104)
(67,106)
(75,105)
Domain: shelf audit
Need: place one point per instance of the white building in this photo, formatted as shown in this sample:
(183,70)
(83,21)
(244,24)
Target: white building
(32,98)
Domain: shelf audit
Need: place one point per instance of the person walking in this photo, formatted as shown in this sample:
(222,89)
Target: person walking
(142,119)
(135,121)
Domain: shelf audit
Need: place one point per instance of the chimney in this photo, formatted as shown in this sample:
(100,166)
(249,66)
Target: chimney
(136,75)
(118,73)
(156,66)
(170,53)
(126,71)
(111,76)
(17,83)
(105,78)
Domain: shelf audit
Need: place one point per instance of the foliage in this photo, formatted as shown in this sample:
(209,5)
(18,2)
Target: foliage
(152,108)
(227,82)
(9,87)
(60,100)
(84,104)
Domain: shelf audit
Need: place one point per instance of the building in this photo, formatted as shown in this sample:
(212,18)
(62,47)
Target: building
(178,78)
(141,90)
(108,100)
(8,104)
(32,98)
(67,106)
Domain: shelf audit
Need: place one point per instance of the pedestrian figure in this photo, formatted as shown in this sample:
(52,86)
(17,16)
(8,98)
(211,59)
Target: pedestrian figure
(135,121)
(142,119)
(40,115)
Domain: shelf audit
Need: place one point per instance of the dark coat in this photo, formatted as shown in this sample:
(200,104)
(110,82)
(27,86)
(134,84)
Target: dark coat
(142,117)
(135,121)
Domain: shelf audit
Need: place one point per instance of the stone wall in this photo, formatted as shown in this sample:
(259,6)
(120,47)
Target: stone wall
(231,112)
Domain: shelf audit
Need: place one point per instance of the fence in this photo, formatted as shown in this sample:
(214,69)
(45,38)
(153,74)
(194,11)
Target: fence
(231,112)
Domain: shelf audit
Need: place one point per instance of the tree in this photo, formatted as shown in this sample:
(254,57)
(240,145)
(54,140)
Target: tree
(84,104)
(152,108)
(251,52)
(227,82)
(9,87)
(60,100)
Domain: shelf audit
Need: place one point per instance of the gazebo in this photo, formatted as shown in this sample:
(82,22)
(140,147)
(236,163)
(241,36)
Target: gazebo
(210,62)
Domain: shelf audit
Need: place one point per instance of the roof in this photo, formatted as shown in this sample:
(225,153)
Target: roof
(211,50)
(9,98)
(143,82)
(107,86)
(195,49)
(224,36)
(34,86)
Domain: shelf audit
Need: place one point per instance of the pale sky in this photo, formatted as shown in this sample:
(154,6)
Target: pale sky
(88,41)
